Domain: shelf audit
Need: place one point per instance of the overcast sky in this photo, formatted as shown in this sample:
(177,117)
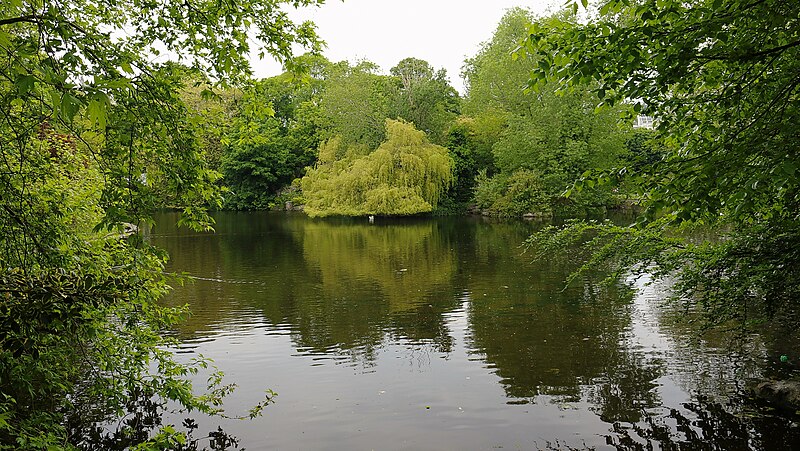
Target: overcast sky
(441,32)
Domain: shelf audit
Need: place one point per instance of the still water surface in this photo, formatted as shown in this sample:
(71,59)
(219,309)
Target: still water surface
(439,334)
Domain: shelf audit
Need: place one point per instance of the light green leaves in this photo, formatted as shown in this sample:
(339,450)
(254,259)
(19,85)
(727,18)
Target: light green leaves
(97,110)
(405,175)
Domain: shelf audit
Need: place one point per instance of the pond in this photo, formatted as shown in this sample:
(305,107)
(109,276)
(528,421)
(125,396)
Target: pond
(443,333)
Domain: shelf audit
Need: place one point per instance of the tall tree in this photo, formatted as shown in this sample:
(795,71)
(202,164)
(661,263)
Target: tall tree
(272,138)
(494,79)
(722,80)
(553,136)
(90,124)
(357,100)
(424,97)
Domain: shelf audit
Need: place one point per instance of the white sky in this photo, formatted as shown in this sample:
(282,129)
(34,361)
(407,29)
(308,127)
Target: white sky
(441,32)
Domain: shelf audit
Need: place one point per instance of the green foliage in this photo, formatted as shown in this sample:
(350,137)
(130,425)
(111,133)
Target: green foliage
(562,137)
(513,195)
(721,80)
(357,101)
(405,175)
(719,76)
(279,123)
(424,98)
(149,153)
(272,138)
(732,280)
(95,135)
(644,150)
(471,151)
(494,79)
(211,110)
(556,135)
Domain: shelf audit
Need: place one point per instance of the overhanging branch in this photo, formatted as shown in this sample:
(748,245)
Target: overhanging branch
(12,20)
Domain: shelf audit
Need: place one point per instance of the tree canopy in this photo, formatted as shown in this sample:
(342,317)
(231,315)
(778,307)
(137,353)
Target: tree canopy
(721,79)
(272,138)
(553,136)
(405,175)
(94,134)
(357,100)
(494,79)
(424,97)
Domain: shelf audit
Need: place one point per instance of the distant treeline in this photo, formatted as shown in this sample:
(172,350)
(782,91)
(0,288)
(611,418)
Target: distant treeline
(319,137)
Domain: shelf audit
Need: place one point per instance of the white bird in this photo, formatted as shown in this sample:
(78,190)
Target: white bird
(371,219)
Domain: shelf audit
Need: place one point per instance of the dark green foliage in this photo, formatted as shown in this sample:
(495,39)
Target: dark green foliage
(752,277)
(94,135)
(271,140)
(254,172)
(643,151)
(424,98)
(748,275)
(471,153)
(721,80)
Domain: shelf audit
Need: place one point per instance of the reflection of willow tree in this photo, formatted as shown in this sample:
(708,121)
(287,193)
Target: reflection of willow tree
(543,340)
(375,273)
(340,287)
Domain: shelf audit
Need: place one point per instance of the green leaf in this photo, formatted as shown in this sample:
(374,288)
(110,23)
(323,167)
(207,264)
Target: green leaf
(98,108)
(5,40)
(70,105)
(24,84)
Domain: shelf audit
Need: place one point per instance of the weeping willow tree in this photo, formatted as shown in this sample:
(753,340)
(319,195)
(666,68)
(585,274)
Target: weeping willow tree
(404,176)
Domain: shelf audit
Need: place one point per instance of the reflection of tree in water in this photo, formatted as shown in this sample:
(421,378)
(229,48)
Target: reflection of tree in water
(564,347)
(338,286)
(714,362)
(405,270)
(713,365)
(246,270)
(543,339)
(704,424)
